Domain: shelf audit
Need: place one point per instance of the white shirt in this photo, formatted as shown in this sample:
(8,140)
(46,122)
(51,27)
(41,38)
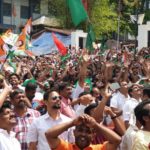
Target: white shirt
(8,141)
(128,138)
(38,96)
(118,100)
(141,140)
(75,94)
(38,128)
(128,110)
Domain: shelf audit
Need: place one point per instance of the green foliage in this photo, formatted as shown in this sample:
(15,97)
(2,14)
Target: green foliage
(58,9)
(147,16)
(104,17)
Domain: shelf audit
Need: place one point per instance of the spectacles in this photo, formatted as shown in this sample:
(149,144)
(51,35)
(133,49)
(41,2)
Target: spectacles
(56,97)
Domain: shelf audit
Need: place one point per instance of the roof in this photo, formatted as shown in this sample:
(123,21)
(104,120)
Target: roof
(47,21)
(47,29)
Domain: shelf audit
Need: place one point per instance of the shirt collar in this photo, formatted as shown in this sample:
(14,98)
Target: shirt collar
(87,148)
(47,116)
(27,114)
(11,134)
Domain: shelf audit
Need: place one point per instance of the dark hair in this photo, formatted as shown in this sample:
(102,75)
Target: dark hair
(63,85)
(15,92)
(141,111)
(84,93)
(146,91)
(89,108)
(6,104)
(14,74)
(30,86)
(47,93)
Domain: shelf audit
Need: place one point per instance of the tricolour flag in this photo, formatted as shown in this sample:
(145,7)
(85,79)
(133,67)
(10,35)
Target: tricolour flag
(78,13)
(21,41)
(9,37)
(3,47)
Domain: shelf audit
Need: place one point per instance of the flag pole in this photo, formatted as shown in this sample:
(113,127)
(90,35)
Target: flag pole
(118,29)
(5,60)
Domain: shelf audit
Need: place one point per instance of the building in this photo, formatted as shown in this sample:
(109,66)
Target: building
(14,13)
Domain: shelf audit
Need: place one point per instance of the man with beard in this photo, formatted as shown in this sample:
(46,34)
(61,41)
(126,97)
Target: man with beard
(24,116)
(7,122)
(84,131)
(65,90)
(34,97)
(36,135)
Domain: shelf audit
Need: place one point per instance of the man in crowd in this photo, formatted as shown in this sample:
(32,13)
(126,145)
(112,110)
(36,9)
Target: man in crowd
(142,137)
(85,126)
(24,116)
(65,90)
(7,122)
(119,98)
(135,92)
(36,134)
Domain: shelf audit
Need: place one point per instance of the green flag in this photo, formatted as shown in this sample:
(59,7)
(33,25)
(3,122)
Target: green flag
(90,38)
(77,11)
(63,58)
(10,58)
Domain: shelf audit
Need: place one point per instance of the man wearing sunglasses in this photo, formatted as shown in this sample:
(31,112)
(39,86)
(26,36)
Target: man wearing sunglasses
(36,135)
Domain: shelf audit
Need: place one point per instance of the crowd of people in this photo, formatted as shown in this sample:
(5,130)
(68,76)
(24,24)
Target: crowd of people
(97,100)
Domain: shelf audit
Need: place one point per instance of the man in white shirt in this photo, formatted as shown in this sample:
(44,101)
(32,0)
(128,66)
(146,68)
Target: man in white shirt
(119,98)
(7,122)
(142,137)
(36,134)
(128,109)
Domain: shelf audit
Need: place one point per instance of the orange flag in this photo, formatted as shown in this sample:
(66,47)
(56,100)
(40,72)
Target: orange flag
(28,27)
(3,47)
(29,53)
(21,41)
(62,49)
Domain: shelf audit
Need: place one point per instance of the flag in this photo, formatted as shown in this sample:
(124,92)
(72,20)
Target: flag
(85,4)
(14,13)
(9,37)
(90,38)
(21,41)
(62,49)
(77,11)
(3,47)
(64,58)
(28,28)
(29,53)
(125,57)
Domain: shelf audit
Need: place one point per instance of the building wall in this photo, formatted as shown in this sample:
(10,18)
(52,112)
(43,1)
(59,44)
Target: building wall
(143,35)
(16,12)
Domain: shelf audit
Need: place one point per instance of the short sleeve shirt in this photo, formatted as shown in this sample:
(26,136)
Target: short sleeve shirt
(68,146)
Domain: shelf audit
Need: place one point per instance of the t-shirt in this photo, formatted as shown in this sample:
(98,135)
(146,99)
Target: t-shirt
(142,140)
(68,146)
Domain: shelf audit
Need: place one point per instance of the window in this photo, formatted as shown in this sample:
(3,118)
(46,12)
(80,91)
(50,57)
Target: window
(24,12)
(6,9)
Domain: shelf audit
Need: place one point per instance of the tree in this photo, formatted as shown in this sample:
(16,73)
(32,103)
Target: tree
(104,17)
